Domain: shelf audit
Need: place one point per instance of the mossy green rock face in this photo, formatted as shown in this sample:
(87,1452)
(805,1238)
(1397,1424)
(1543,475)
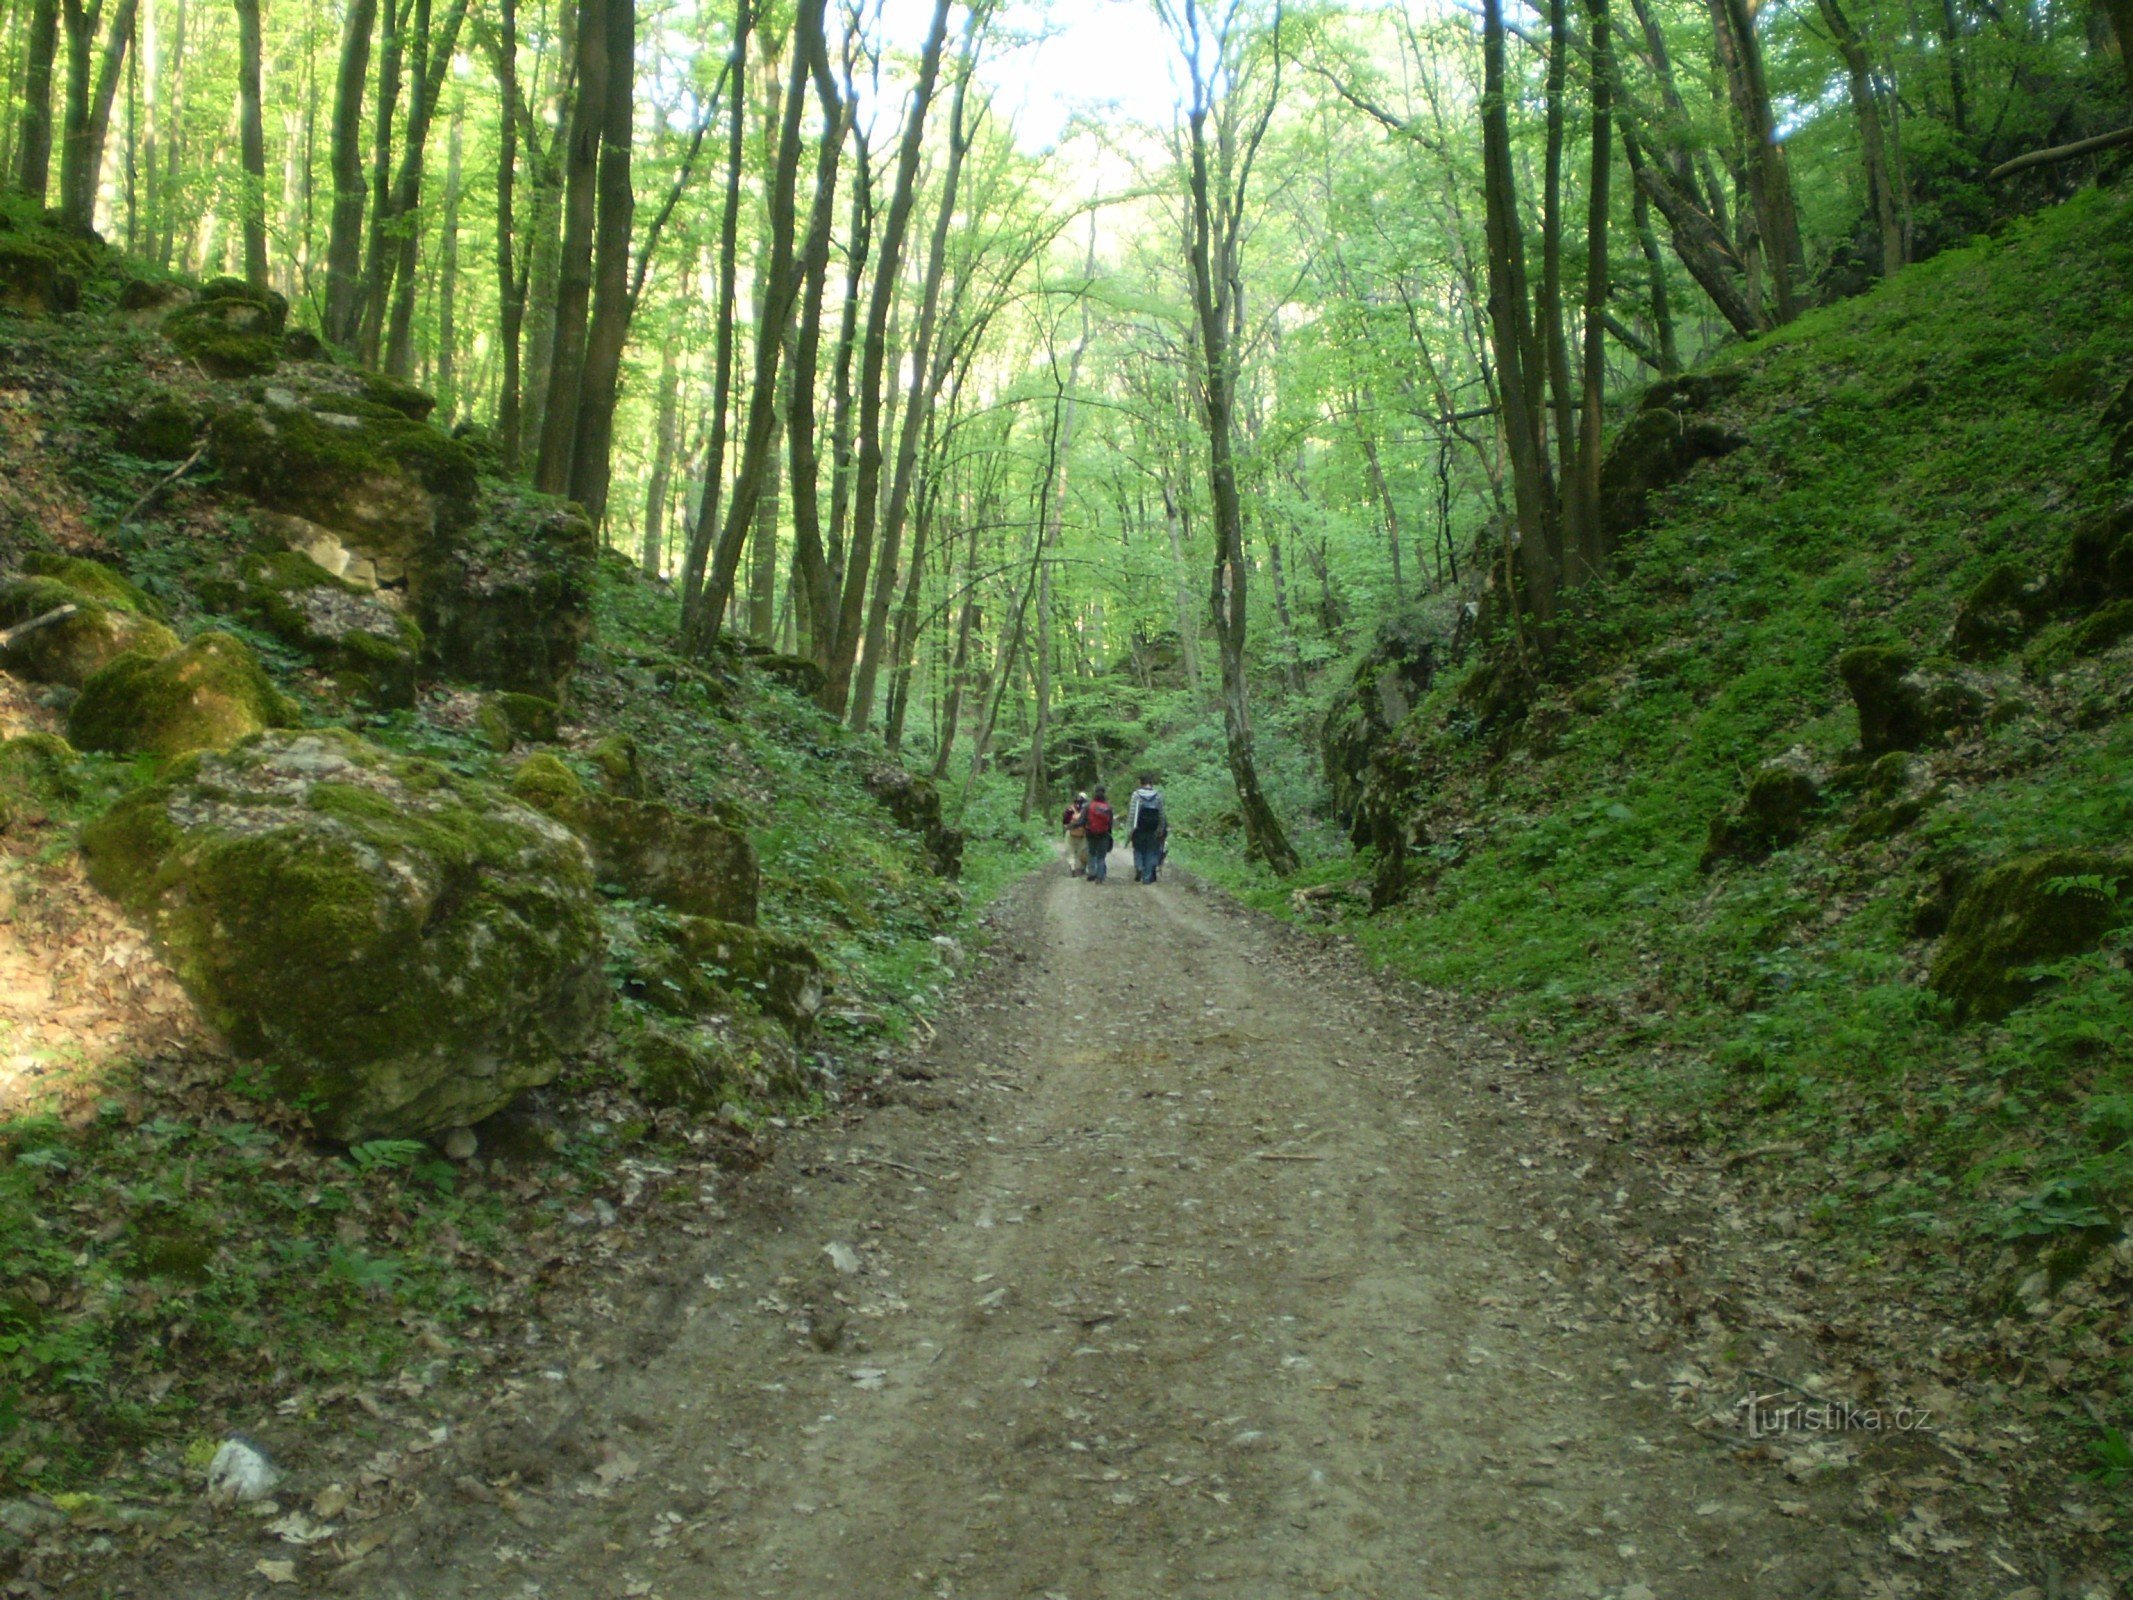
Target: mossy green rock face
(371,649)
(232,329)
(508,719)
(408,949)
(1774,813)
(688,966)
(2033,909)
(621,770)
(2103,628)
(203,696)
(506,600)
(2003,609)
(1674,427)
(677,859)
(36,771)
(110,619)
(701,1068)
(1386,684)
(915,803)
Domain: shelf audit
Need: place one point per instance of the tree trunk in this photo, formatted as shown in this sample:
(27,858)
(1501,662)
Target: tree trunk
(1214,223)
(544,234)
(763,541)
(1669,351)
(1769,183)
(929,370)
(33,160)
(959,670)
(1588,554)
(573,297)
(866,485)
(695,623)
(392,46)
(1701,247)
(1517,381)
(89,102)
(592,449)
(652,560)
(816,584)
(510,300)
(252,144)
(448,273)
(1177,520)
(1548,309)
(777,301)
(344,246)
(1873,149)
(857,254)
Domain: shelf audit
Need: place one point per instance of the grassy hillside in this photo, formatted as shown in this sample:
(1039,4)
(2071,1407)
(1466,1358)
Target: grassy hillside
(174,1242)
(1898,448)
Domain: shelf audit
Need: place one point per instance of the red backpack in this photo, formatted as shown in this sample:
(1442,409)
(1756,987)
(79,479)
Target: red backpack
(1100,818)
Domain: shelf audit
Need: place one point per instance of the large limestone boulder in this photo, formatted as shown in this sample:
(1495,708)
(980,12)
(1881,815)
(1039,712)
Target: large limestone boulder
(699,865)
(1901,705)
(202,696)
(1677,424)
(716,1062)
(406,949)
(110,618)
(506,599)
(915,803)
(2025,912)
(1384,687)
(368,645)
(1780,801)
(691,966)
(231,329)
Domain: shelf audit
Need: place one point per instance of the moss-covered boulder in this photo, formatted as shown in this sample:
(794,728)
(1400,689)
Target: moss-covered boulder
(2003,609)
(371,649)
(2021,914)
(356,470)
(406,949)
(620,766)
(2103,628)
(2098,566)
(205,695)
(1780,801)
(1384,685)
(689,966)
(42,267)
(802,676)
(509,719)
(506,600)
(680,860)
(231,329)
(162,429)
(37,772)
(1903,706)
(1899,790)
(701,1068)
(1675,426)
(915,803)
(111,617)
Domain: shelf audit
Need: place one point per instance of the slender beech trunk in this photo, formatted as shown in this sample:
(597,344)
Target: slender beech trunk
(344,245)
(1177,521)
(433,58)
(392,47)
(1517,382)
(1769,182)
(1873,148)
(573,298)
(959,670)
(664,440)
(90,97)
(33,157)
(778,300)
(542,272)
(929,369)
(592,448)
(1588,553)
(1654,263)
(857,253)
(866,484)
(252,144)
(817,586)
(1548,309)
(448,270)
(511,303)
(696,624)
(763,540)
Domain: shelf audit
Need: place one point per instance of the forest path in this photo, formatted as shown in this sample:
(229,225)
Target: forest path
(1182,1271)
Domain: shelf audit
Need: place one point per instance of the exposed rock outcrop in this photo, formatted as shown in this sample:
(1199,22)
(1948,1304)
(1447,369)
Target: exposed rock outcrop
(407,950)
(1775,811)
(915,803)
(694,864)
(1674,427)
(1902,706)
(202,696)
(1386,684)
(111,617)
(2030,910)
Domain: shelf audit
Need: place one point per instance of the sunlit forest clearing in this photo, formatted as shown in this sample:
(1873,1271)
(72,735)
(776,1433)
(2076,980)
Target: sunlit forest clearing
(1089,798)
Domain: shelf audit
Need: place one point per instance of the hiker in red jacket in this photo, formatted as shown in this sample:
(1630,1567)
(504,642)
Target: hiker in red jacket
(1097,820)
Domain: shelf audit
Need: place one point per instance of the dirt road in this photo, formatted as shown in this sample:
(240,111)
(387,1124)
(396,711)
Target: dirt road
(1177,1265)
(1184,1281)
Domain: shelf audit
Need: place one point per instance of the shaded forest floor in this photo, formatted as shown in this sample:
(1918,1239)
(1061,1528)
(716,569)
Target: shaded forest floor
(1187,1258)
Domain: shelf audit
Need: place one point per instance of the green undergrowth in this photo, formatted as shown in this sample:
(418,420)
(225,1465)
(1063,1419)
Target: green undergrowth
(1900,445)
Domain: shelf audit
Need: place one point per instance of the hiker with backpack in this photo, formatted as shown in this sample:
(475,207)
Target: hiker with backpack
(1149,829)
(1097,820)
(1077,836)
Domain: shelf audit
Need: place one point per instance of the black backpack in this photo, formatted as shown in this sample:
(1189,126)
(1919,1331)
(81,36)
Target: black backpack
(1149,819)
